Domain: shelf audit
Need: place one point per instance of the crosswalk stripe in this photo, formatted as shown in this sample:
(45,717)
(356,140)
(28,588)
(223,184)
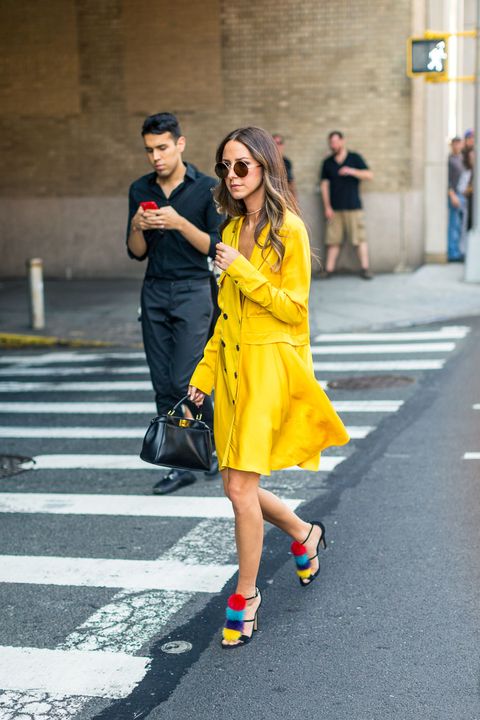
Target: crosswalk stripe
(453,332)
(104,572)
(476,406)
(121,462)
(106,408)
(56,358)
(472,456)
(394,348)
(96,433)
(118,385)
(65,372)
(380,365)
(121,505)
(94,674)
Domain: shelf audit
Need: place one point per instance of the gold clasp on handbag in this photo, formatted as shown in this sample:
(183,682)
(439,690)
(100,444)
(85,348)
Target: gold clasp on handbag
(183,423)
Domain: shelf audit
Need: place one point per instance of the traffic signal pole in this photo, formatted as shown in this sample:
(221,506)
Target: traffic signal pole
(472,259)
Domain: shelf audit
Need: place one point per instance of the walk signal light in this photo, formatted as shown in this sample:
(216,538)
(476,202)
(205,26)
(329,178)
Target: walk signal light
(427,56)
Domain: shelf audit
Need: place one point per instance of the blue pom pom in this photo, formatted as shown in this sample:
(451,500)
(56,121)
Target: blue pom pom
(303,566)
(234,625)
(235,614)
(302,560)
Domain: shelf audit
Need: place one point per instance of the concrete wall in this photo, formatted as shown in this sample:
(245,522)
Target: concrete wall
(76,82)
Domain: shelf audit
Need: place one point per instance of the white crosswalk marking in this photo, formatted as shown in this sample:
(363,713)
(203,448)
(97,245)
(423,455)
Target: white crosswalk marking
(115,386)
(378,365)
(65,372)
(450,332)
(121,505)
(97,674)
(392,348)
(356,432)
(103,572)
(472,456)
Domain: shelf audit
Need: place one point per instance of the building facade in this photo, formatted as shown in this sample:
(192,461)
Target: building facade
(77,77)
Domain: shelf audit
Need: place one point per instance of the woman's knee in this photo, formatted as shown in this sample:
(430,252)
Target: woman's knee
(243,493)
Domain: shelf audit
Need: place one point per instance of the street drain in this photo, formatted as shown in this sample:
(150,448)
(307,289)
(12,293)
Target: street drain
(367,382)
(14,464)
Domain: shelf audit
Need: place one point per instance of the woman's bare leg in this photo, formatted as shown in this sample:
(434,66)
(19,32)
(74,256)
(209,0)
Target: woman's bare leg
(242,489)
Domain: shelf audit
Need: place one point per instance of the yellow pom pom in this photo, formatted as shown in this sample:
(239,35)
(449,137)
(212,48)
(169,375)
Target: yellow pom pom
(304,573)
(231,635)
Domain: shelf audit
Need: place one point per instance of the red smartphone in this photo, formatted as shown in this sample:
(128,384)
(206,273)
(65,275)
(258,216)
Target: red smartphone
(149,205)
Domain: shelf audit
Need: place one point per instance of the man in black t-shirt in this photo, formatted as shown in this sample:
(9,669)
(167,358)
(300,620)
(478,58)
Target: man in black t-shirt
(177,231)
(340,180)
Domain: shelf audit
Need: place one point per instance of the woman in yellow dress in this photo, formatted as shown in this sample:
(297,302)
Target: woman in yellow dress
(270,411)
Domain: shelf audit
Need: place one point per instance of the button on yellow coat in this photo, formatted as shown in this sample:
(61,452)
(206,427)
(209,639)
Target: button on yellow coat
(270,411)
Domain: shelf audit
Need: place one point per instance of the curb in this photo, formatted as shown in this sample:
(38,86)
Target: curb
(13,340)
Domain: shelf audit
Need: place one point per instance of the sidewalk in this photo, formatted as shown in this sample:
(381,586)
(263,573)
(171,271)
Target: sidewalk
(106,310)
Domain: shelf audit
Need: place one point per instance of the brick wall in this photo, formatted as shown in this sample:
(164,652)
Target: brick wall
(76,82)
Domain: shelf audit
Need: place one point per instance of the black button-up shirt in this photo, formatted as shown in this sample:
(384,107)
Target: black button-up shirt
(170,255)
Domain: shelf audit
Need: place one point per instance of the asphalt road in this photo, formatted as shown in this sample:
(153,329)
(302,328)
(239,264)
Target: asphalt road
(389,631)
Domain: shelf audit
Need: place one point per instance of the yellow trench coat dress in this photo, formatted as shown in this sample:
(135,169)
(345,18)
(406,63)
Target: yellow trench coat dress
(270,411)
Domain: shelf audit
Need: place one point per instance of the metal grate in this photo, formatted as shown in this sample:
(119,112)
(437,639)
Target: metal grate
(14,464)
(368,382)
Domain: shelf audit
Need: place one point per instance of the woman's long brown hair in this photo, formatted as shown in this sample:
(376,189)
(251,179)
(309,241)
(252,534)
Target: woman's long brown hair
(278,197)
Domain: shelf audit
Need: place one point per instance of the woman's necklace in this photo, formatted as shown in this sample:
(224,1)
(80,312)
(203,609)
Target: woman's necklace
(253,212)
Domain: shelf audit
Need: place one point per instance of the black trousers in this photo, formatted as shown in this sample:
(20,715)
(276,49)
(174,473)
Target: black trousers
(176,318)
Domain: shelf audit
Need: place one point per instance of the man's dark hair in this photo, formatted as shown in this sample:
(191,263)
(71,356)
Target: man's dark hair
(335,132)
(161,123)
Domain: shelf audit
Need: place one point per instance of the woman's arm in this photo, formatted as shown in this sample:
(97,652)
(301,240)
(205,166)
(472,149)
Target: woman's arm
(289,302)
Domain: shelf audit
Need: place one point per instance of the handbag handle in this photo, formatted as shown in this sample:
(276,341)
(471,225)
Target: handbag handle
(177,405)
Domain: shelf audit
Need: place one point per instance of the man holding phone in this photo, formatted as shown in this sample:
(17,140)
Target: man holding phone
(173,222)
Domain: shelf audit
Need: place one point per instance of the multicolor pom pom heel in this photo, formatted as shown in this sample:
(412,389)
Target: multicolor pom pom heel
(302,561)
(233,632)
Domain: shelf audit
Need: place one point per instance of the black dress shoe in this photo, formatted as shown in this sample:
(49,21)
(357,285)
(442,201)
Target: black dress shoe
(172,481)
(214,469)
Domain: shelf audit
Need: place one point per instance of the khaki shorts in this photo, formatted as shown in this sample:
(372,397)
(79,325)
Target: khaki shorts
(349,224)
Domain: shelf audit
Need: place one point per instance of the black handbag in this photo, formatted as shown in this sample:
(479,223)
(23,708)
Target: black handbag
(178,442)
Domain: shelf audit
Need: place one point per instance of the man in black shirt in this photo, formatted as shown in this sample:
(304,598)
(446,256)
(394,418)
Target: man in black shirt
(177,233)
(340,179)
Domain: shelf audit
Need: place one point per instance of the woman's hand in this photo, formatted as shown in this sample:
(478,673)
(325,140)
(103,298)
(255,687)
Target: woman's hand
(195,395)
(225,255)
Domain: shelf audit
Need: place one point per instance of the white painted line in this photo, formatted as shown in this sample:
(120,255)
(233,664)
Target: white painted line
(65,372)
(476,406)
(367,405)
(55,358)
(75,408)
(357,432)
(75,433)
(72,672)
(327,463)
(453,332)
(91,462)
(103,572)
(381,365)
(96,433)
(383,349)
(105,408)
(80,387)
(472,456)
(122,505)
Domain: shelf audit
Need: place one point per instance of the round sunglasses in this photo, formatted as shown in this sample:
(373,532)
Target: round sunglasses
(240,168)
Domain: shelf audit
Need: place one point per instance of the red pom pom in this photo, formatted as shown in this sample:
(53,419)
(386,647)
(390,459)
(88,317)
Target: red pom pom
(236,602)
(298,549)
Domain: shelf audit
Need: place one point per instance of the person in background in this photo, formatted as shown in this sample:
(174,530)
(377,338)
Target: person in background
(456,201)
(178,236)
(468,160)
(340,179)
(280,143)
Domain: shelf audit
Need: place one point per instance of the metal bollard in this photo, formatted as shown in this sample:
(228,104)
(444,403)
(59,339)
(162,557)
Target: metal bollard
(35,289)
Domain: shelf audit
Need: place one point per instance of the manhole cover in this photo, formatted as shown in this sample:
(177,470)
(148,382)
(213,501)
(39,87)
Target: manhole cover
(14,464)
(366,382)
(176,647)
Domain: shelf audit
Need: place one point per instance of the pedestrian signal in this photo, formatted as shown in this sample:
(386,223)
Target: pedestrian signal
(427,57)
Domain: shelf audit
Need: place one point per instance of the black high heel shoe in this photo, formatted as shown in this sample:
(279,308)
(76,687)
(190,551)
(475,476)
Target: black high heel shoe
(235,624)
(302,561)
